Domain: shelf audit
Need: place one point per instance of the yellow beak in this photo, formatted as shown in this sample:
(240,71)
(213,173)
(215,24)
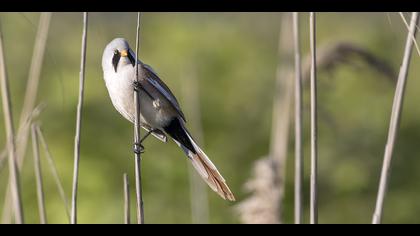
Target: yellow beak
(124,53)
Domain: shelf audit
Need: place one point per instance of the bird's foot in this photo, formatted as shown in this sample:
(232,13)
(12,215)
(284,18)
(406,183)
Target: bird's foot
(137,86)
(138,148)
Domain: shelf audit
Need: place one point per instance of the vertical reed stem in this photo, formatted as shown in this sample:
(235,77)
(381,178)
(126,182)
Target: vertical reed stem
(38,177)
(33,82)
(127,219)
(395,119)
(139,193)
(8,119)
(282,108)
(79,121)
(314,125)
(29,100)
(54,171)
(298,124)
(3,158)
(198,188)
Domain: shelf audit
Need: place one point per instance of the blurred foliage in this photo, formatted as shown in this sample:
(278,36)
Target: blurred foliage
(235,58)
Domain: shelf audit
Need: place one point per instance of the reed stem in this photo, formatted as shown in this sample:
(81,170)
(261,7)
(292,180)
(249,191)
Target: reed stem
(314,125)
(14,183)
(127,213)
(38,176)
(298,124)
(395,119)
(54,171)
(139,192)
(79,121)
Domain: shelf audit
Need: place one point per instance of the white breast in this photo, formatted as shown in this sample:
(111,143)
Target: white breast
(121,93)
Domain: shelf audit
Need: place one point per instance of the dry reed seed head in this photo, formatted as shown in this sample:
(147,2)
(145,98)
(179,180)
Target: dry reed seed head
(329,57)
(262,206)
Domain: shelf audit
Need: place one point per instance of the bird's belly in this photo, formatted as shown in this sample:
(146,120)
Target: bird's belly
(122,98)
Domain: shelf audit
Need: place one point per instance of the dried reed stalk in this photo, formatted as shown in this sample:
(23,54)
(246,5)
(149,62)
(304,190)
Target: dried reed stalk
(262,206)
(139,192)
(314,124)
(282,108)
(79,121)
(11,146)
(7,206)
(127,219)
(395,119)
(298,125)
(330,56)
(3,158)
(28,121)
(268,181)
(54,171)
(29,100)
(33,82)
(408,28)
(198,189)
(38,176)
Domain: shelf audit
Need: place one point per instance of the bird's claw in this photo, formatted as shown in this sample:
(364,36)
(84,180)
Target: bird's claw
(138,148)
(137,86)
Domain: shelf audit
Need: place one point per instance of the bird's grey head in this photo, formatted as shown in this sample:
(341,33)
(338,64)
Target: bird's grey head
(117,54)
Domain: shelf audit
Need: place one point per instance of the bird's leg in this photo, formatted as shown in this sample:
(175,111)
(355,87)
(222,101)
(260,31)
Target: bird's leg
(146,135)
(138,147)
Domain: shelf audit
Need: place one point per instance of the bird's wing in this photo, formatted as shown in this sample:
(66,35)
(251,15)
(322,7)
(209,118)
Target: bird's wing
(154,80)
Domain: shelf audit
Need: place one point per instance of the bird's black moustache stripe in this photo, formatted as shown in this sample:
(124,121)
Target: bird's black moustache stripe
(131,58)
(116,59)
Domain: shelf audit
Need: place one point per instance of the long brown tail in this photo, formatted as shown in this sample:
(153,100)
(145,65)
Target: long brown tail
(199,160)
(210,174)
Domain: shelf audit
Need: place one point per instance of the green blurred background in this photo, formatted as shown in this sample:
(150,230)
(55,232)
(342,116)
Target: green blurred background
(234,58)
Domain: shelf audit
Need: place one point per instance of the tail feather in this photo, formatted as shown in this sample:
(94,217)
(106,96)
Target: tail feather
(212,176)
(205,167)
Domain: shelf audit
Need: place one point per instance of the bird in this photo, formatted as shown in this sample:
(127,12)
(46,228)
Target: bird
(160,112)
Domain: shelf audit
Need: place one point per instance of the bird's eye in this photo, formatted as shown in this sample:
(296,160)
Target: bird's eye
(116,52)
